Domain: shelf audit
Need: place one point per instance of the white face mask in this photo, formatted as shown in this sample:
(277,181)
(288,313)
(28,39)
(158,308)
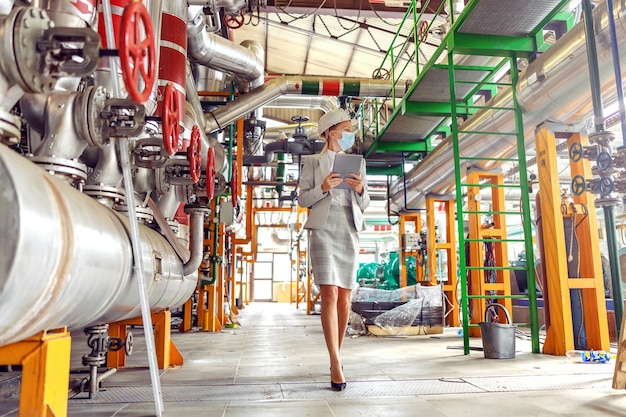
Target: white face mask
(346,141)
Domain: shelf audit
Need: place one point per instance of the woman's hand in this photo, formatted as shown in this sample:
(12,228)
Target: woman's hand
(354,181)
(331,181)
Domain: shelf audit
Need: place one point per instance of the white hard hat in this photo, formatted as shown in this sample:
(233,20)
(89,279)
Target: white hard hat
(331,119)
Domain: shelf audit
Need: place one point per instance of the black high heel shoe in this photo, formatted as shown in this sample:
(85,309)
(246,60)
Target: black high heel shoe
(337,386)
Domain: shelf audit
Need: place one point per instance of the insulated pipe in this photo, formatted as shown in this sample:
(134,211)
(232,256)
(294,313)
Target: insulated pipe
(84,272)
(216,52)
(315,86)
(196,230)
(325,103)
(554,87)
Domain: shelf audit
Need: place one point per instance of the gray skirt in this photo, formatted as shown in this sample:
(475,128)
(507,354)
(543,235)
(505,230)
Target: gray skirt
(335,250)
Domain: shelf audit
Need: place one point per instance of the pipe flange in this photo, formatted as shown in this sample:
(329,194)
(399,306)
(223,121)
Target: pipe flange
(607,201)
(144,214)
(98,329)
(197,208)
(28,25)
(603,138)
(116,195)
(174,225)
(94,360)
(10,126)
(87,119)
(68,168)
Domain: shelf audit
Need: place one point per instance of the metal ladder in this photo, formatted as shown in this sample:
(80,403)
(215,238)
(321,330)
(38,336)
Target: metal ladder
(489,279)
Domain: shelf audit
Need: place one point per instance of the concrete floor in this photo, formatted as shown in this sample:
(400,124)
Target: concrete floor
(276,365)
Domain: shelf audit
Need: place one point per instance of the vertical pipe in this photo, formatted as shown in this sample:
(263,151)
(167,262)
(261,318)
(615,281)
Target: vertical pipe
(618,75)
(616,279)
(594,69)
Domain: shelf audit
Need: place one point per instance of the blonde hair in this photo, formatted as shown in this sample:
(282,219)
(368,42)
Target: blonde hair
(325,148)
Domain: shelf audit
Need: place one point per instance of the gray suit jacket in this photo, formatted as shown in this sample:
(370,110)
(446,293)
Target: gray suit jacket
(314,169)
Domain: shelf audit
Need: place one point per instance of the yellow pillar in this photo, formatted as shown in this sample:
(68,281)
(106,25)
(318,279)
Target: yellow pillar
(45,361)
(447,245)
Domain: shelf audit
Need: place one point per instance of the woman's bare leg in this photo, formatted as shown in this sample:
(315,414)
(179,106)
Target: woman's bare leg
(344,298)
(330,326)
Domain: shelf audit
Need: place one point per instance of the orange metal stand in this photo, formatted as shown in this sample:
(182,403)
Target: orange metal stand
(45,360)
(166,351)
(560,333)
(447,246)
(404,219)
(479,233)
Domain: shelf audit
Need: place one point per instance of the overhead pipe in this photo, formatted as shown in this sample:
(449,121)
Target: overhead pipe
(314,86)
(324,103)
(216,52)
(553,87)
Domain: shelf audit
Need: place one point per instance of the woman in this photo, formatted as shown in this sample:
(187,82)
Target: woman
(334,221)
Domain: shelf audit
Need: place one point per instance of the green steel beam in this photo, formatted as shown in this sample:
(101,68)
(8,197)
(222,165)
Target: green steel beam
(418,145)
(396,170)
(490,45)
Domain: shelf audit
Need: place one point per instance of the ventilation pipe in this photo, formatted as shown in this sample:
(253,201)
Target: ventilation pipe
(554,87)
(314,86)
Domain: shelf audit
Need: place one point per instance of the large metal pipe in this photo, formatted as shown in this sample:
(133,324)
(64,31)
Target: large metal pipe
(84,270)
(315,86)
(554,87)
(214,51)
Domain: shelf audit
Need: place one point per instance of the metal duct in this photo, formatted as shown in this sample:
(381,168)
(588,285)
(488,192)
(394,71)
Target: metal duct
(219,53)
(315,86)
(84,270)
(554,87)
(325,103)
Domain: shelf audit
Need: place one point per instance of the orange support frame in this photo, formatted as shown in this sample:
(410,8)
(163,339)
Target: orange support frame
(448,246)
(560,332)
(416,219)
(479,232)
(166,351)
(45,360)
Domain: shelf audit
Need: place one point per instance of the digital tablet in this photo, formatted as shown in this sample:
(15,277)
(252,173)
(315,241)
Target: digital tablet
(345,164)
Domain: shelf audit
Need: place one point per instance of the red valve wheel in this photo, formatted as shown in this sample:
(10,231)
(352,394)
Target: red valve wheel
(234,22)
(210,173)
(423,31)
(170,119)
(380,74)
(193,154)
(234,192)
(134,51)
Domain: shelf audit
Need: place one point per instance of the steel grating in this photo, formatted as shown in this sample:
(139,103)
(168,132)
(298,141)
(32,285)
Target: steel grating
(435,85)
(186,393)
(540,383)
(356,389)
(409,128)
(368,389)
(507,17)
